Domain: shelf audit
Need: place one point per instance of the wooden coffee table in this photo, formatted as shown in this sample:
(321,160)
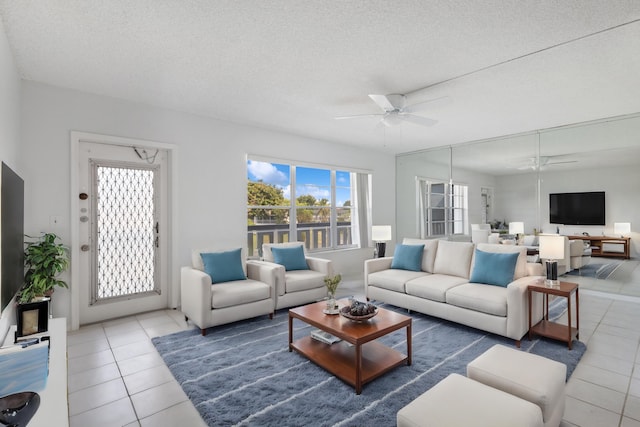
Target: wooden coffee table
(358,358)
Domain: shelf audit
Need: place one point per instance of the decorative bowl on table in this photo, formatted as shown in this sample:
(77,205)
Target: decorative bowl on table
(353,313)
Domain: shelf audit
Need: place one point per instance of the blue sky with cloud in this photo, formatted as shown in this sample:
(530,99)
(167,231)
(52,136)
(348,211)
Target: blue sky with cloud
(316,182)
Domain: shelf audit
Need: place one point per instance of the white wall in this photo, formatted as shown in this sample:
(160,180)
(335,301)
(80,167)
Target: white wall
(515,199)
(211,168)
(9,132)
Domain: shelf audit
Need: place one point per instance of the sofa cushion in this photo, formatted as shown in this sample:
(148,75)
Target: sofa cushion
(267,255)
(196,258)
(429,253)
(291,258)
(408,257)
(453,258)
(433,286)
(302,280)
(229,294)
(224,266)
(484,298)
(493,268)
(393,280)
(521,263)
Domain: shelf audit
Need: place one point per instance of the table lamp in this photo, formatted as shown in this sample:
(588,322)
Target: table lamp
(622,228)
(551,249)
(516,228)
(380,234)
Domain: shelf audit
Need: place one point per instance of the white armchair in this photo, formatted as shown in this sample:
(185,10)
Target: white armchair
(296,287)
(480,236)
(210,304)
(580,252)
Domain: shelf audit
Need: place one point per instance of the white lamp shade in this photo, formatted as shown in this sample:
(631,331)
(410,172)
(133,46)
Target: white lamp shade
(381,233)
(621,228)
(551,246)
(516,228)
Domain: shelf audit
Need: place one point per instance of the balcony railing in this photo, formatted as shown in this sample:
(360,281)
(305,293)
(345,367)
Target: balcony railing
(316,236)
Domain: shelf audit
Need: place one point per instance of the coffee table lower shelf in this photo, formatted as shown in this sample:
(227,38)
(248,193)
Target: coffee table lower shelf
(340,359)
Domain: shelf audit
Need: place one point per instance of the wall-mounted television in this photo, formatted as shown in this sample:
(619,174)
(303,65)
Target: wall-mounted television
(585,208)
(11,235)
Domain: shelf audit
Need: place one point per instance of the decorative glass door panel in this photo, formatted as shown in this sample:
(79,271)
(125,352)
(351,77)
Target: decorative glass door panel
(126,231)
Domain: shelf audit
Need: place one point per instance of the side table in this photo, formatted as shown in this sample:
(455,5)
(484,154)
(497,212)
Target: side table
(547,328)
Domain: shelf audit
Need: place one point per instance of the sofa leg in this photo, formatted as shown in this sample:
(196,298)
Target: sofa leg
(186,319)
(271,316)
(203,332)
(518,343)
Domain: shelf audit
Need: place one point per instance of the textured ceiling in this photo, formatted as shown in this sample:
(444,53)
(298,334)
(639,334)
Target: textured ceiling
(506,66)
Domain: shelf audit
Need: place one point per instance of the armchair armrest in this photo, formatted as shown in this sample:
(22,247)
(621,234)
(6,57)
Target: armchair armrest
(266,272)
(269,273)
(321,265)
(195,286)
(374,265)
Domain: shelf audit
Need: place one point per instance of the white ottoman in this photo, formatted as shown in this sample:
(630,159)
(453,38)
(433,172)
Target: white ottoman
(457,401)
(528,376)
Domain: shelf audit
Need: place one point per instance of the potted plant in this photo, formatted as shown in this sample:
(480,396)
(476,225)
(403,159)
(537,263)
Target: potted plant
(44,260)
(332,285)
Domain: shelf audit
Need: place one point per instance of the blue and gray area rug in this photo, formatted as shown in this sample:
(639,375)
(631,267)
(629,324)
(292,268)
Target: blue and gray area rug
(243,373)
(597,270)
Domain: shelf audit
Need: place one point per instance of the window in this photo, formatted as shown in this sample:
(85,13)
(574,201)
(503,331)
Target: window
(442,208)
(324,207)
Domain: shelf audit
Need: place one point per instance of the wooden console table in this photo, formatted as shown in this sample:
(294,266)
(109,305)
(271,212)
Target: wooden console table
(596,243)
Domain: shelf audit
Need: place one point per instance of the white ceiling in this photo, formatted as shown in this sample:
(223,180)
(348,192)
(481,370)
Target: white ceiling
(508,66)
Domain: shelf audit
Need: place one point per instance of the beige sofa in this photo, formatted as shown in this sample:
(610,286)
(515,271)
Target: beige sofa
(442,287)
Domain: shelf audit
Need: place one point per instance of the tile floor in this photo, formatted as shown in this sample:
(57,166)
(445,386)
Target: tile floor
(116,377)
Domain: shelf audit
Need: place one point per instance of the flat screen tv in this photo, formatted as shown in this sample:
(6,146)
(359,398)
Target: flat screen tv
(577,208)
(11,235)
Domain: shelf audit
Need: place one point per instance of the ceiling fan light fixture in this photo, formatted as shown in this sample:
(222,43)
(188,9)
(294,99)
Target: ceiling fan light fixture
(392,118)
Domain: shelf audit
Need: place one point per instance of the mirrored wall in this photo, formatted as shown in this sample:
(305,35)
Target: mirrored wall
(510,178)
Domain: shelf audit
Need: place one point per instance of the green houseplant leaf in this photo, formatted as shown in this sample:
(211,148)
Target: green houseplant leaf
(44,260)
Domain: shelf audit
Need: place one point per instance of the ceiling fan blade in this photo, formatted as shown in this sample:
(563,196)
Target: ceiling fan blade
(432,103)
(358,116)
(417,120)
(383,102)
(561,163)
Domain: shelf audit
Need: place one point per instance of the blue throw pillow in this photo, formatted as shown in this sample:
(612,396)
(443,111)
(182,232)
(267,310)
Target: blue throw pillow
(408,257)
(494,268)
(224,266)
(292,258)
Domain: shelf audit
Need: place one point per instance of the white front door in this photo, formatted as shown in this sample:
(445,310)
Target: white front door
(122,231)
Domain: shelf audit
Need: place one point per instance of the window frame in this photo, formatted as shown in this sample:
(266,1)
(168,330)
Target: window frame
(454,208)
(335,211)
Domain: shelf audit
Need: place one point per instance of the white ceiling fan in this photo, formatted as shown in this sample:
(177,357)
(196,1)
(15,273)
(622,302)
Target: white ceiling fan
(544,162)
(395,110)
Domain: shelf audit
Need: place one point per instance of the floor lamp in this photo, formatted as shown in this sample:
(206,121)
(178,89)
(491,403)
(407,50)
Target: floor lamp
(552,249)
(380,234)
